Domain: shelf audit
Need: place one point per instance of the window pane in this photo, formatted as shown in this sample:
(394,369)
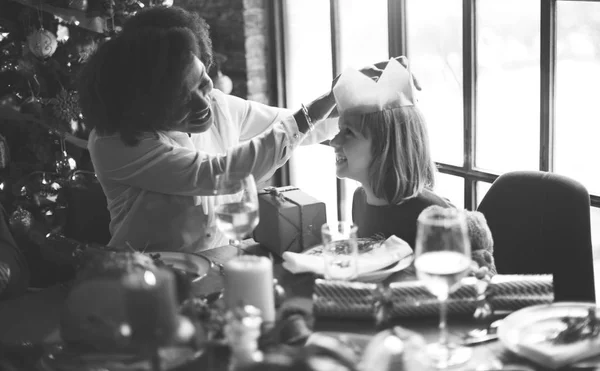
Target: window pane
(508,84)
(482,188)
(435,51)
(451,187)
(307,34)
(313,171)
(363,32)
(577,90)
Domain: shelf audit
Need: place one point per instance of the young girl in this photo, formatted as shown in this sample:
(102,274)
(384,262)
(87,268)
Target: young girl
(384,145)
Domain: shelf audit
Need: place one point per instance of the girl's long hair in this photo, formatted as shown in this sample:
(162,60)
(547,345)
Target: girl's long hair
(401,165)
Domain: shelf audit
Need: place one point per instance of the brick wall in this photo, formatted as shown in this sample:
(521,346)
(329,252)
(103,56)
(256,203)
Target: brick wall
(240,31)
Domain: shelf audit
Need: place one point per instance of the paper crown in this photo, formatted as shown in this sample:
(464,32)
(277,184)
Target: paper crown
(356,93)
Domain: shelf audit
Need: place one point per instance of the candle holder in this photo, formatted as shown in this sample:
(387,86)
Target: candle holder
(152,315)
(242,331)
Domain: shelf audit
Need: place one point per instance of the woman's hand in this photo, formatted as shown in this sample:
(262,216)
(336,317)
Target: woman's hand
(321,108)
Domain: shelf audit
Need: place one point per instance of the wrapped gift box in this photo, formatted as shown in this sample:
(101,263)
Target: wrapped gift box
(290,220)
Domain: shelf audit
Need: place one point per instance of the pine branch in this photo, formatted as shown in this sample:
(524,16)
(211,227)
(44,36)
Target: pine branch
(11,115)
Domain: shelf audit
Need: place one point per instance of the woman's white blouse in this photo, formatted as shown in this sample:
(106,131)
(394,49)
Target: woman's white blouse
(159,192)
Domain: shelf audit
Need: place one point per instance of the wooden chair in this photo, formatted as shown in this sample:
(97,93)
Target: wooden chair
(540,222)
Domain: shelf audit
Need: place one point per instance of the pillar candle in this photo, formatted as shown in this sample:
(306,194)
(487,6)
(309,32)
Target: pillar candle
(151,306)
(249,281)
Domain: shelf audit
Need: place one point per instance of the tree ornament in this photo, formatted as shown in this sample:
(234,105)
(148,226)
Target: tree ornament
(82,179)
(5,191)
(9,65)
(42,43)
(48,214)
(24,194)
(4,276)
(65,165)
(21,220)
(4,154)
(62,33)
(108,7)
(85,50)
(78,5)
(66,105)
(47,189)
(9,101)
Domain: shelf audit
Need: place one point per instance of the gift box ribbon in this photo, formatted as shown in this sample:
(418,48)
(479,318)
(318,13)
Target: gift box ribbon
(280,198)
(413,299)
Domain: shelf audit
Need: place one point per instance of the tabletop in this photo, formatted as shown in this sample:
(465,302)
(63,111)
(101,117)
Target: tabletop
(35,316)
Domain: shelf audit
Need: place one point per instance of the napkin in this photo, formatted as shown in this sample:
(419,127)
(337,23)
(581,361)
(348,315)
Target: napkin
(369,260)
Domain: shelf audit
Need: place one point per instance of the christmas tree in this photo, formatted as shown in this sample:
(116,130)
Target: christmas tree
(43,135)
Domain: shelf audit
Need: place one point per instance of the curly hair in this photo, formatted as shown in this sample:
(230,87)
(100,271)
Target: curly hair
(175,17)
(401,165)
(135,82)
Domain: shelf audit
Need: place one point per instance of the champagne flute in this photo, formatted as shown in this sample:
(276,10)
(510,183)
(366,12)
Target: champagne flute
(237,215)
(443,258)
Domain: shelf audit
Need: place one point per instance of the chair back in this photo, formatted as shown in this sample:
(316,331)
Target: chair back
(88,217)
(540,223)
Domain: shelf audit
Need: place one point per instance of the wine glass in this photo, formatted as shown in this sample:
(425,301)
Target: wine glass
(443,258)
(237,212)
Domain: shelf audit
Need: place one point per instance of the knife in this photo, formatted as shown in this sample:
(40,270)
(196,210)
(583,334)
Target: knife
(469,341)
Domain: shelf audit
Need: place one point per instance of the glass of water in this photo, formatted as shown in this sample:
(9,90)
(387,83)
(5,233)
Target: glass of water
(237,212)
(340,250)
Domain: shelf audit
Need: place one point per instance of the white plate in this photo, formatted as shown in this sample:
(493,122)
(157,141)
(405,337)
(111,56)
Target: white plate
(382,274)
(532,324)
(195,265)
(370,255)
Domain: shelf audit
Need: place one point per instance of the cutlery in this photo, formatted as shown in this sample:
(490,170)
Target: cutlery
(480,340)
(480,336)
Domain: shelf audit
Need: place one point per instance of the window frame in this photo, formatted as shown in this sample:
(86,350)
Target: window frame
(398,45)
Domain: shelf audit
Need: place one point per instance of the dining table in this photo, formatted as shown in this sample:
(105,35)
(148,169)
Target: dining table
(34,317)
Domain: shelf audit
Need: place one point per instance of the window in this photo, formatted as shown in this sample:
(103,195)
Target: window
(507,84)
(577,90)
(436,59)
(307,34)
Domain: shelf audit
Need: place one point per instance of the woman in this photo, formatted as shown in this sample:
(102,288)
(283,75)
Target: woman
(143,92)
(384,145)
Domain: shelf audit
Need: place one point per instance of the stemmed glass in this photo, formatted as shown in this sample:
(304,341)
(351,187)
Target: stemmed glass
(237,215)
(443,258)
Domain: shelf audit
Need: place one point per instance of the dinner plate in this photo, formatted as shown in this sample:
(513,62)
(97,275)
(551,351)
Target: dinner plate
(194,265)
(371,255)
(380,275)
(532,325)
